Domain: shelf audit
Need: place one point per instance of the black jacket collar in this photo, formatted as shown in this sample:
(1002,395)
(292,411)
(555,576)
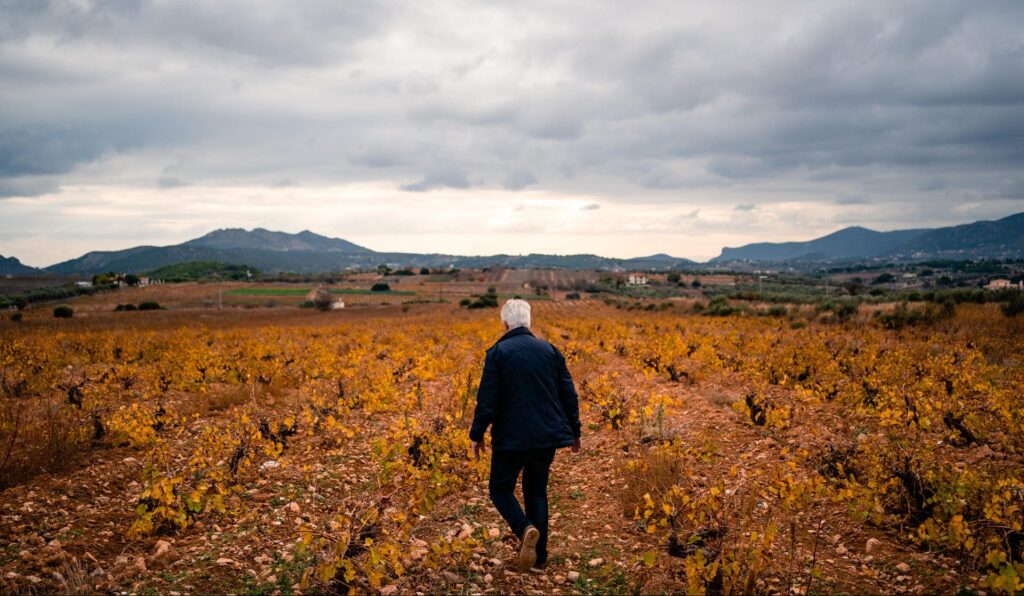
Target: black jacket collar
(515,332)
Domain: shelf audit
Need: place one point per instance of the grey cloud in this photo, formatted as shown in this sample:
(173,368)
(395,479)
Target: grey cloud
(745,207)
(590,207)
(903,102)
(270,32)
(853,200)
(27,186)
(519,179)
(932,183)
(440,178)
(170,182)
(377,157)
(46,150)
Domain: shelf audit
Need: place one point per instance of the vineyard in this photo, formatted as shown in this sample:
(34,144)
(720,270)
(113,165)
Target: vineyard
(792,454)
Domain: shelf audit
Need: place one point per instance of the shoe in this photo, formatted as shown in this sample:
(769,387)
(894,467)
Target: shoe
(528,550)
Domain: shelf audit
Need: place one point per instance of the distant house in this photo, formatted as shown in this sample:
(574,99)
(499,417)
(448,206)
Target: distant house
(143,281)
(83,284)
(637,279)
(999,284)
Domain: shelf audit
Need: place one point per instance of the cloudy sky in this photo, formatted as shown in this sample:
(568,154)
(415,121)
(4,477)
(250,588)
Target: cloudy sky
(616,128)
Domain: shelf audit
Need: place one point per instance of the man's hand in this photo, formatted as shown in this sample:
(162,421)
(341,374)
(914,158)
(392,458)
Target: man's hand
(576,446)
(478,448)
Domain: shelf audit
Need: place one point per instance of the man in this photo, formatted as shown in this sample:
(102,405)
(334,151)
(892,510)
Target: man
(527,397)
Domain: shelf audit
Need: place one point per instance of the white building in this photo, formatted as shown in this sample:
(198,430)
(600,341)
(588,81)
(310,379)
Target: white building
(637,279)
(999,284)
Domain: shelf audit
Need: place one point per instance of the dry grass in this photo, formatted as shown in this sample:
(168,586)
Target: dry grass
(654,473)
(74,578)
(721,398)
(38,435)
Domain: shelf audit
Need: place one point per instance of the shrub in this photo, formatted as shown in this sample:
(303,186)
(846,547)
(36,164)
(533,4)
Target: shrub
(719,307)
(124,307)
(885,278)
(322,299)
(846,310)
(16,317)
(905,317)
(1014,307)
(695,283)
(672,278)
(380,287)
(485,301)
(778,311)
(149,306)
(424,271)
(572,296)
(63,311)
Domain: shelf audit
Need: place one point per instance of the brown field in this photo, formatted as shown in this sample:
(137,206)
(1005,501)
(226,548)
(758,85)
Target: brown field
(283,450)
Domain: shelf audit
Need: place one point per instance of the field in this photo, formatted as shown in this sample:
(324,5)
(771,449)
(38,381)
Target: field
(275,450)
(303,291)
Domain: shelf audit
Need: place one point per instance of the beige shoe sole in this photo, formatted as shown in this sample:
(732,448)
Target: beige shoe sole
(528,551)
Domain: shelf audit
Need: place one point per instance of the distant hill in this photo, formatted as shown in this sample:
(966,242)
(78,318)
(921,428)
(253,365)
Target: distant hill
(259,248)
(848,243)
(12,266)
(1003,238)
(307,252)
(262,239)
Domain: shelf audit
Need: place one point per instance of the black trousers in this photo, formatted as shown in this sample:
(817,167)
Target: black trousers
(535,465)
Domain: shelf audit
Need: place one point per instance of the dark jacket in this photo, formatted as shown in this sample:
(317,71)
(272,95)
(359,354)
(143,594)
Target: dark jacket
(526,393)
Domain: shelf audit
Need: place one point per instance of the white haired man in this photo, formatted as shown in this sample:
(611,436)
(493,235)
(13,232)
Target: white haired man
(528,399)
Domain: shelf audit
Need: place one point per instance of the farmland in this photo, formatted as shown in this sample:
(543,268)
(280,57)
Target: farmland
(304,291)
(261,450)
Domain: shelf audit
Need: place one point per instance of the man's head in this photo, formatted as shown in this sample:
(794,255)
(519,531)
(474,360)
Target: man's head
(515,313)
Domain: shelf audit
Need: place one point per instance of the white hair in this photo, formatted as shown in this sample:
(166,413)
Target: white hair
(516,313)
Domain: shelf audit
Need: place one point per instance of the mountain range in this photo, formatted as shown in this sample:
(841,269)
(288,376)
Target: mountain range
(1002,238)
(307,252)
(12,266)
